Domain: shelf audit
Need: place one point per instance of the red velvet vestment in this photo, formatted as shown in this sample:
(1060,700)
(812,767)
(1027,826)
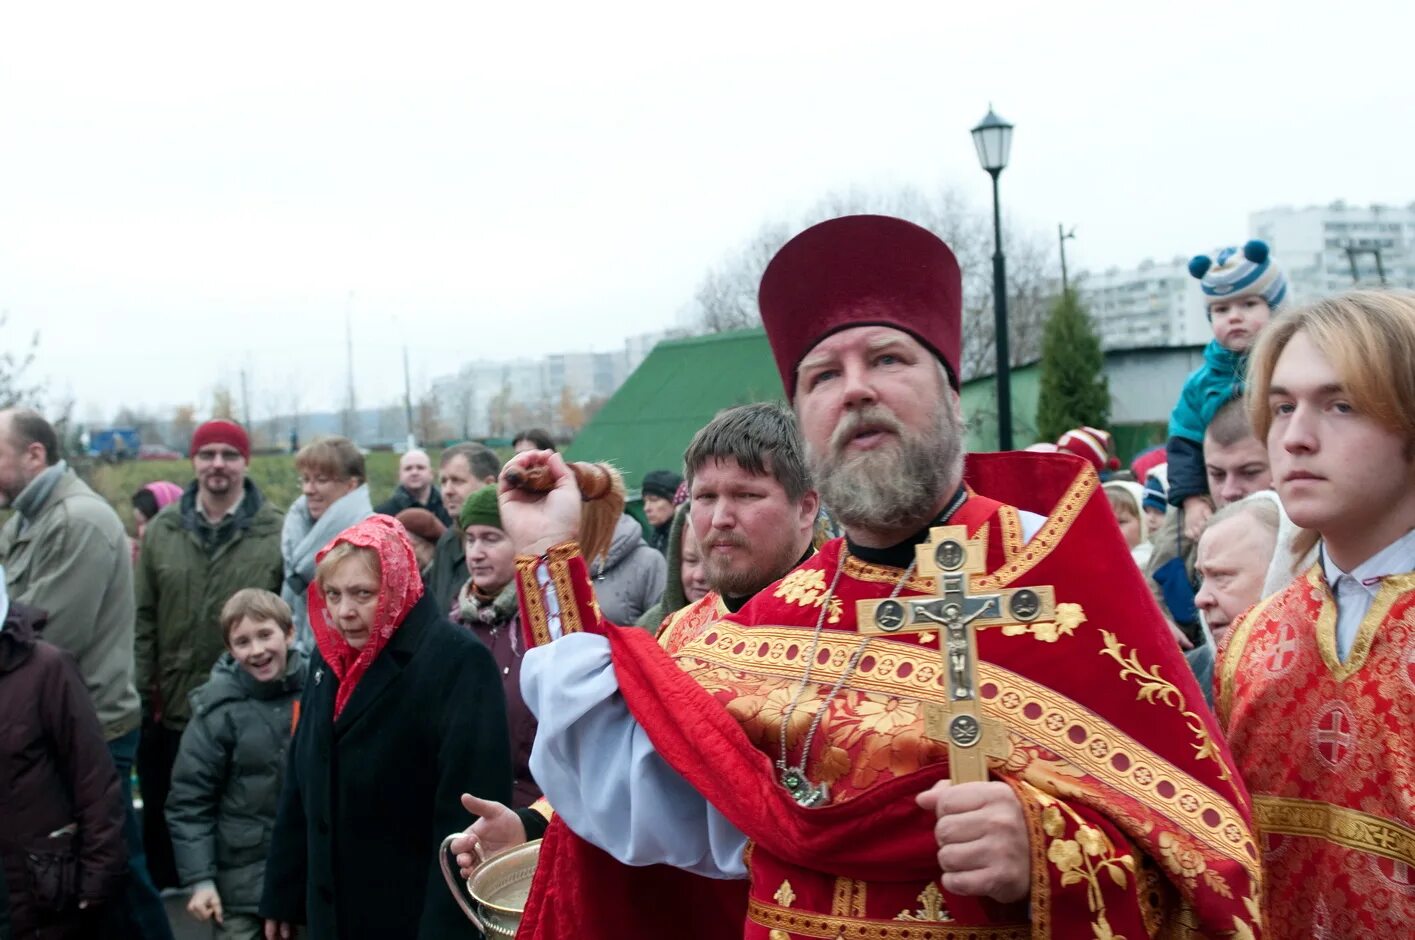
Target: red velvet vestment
(1139,826)
(1327,748)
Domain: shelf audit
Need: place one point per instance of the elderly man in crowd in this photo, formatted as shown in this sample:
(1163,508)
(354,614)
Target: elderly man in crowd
(1236,464)
(415,489)
(1233,558)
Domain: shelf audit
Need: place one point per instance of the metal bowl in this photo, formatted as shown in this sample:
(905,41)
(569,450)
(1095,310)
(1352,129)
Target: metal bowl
(495,895)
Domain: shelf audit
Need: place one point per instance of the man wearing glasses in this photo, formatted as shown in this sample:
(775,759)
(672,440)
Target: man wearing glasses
(221,537)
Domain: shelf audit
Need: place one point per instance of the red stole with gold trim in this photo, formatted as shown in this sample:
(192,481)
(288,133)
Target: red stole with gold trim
(1138,822)
(1327,748)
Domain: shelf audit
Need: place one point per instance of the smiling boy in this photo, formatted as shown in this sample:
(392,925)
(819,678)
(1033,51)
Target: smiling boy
(1317,687)
(226,782)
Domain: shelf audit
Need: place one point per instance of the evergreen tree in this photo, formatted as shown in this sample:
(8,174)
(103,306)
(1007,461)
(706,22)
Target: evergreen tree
(1074,390)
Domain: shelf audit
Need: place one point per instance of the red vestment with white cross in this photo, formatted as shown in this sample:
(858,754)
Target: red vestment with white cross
(1327,749)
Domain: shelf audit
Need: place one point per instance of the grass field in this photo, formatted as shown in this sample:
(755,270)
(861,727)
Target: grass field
(274,475)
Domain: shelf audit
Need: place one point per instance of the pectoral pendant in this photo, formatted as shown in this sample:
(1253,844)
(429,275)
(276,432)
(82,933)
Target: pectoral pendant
(802,790)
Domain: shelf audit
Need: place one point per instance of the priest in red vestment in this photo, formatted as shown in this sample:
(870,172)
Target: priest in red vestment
(776,775)
(1316,687)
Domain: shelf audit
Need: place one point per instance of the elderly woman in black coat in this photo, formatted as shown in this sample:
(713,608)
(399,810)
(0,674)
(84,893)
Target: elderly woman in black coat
(402,712)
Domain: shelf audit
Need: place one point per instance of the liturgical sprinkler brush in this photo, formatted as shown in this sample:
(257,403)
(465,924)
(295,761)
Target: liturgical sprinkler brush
(601,489)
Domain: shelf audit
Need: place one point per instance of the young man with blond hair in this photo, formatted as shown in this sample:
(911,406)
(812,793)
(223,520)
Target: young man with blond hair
(1317,685)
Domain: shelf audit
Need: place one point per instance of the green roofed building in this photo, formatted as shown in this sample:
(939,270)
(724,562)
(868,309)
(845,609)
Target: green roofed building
(683,383)
(675,391)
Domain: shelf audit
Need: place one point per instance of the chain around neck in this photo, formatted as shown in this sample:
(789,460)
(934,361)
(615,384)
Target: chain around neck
(794,777)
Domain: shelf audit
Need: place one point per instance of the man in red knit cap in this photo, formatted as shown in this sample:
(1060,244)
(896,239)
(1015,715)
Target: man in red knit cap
(221,536)
(814,765)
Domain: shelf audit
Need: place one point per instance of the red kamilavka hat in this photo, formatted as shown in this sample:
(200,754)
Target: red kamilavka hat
(861,270)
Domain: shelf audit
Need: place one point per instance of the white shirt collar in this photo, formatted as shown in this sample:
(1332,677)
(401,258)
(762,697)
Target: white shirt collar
(1396,558)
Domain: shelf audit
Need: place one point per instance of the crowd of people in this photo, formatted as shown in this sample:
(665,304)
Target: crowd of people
(1184,709)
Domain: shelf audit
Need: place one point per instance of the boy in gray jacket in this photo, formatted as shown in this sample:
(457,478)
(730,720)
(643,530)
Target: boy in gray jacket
(226,782)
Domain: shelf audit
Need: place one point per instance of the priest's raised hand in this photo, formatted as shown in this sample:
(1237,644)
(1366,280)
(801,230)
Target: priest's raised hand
(537,521)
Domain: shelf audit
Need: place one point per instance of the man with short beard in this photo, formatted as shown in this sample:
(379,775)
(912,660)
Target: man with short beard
(778,771)
(222,536)
(752,509)
(752,501)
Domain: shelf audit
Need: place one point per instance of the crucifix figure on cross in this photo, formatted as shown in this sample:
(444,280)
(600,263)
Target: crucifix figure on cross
(951,558)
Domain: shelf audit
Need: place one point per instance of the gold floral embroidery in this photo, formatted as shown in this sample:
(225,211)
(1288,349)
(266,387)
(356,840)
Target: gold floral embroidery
(806,587)
(1068,618)
(1186,863)
(791,921)
(1233,654)
(1084,858)
(784,895)
(730,660)
(931,907)
(1156,689)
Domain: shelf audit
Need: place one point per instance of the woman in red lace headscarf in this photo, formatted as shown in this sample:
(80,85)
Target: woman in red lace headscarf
(402,713)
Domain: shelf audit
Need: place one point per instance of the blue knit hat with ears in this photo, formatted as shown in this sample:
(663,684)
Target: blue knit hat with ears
(1240,272)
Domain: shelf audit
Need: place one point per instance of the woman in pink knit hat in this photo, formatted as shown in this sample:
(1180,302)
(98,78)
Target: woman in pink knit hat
(147,503)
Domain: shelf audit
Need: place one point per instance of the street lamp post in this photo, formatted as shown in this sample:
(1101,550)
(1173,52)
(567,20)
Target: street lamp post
(993,140)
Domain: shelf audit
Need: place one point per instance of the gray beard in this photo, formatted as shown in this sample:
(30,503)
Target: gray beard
(891,488)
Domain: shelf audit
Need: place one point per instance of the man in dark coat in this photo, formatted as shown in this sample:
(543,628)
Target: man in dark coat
(424,722)
(415,489)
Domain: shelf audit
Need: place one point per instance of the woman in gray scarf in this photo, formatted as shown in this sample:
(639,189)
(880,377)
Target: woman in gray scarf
(334,488)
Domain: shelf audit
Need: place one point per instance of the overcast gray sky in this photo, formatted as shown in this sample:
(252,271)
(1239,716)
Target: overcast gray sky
(186,189)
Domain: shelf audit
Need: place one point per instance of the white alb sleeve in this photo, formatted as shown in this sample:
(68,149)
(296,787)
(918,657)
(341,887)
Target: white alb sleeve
(600,772)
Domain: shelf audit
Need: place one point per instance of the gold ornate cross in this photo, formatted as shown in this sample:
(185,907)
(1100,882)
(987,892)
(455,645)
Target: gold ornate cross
(951,557)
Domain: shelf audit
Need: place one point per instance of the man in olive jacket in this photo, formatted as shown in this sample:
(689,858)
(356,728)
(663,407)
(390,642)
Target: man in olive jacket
(64,551)
(220,537)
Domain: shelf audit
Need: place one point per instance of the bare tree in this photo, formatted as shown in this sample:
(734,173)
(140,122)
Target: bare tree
(223,404)
(184,425)
(726,298)
(570,413)
(426,425)
(466,408)
(15,360)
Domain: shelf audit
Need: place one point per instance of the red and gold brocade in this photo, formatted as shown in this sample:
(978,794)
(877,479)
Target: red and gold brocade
(1328,751)
(683,625)
(1139,827)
